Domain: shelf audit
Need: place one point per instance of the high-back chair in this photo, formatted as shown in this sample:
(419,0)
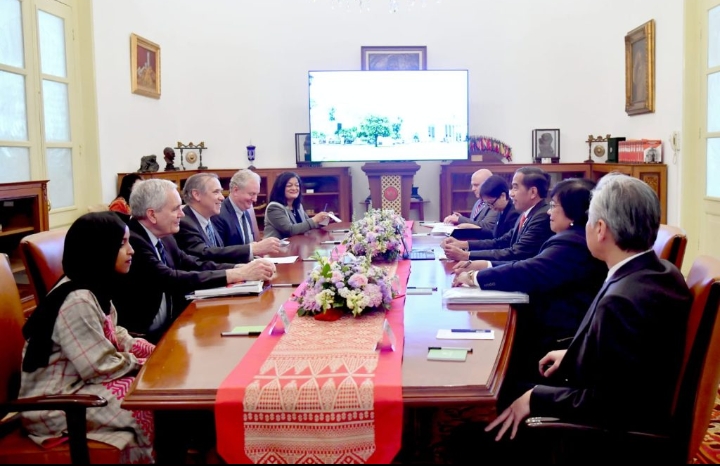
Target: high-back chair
(694,394)
(42,255)
(670,244)
(15,445)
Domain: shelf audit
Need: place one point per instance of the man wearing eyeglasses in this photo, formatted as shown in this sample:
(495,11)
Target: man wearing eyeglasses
(528,191)
(482,217)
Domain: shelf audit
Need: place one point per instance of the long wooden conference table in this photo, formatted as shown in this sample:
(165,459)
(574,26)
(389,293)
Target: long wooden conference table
(192,360)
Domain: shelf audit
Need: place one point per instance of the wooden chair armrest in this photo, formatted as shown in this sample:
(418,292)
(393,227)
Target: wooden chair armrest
(75,408)
(556,423)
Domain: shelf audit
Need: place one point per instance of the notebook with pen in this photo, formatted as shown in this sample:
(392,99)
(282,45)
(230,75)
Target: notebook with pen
(243,288)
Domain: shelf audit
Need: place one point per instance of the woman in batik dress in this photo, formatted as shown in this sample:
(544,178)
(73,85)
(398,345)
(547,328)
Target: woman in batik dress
(75,347)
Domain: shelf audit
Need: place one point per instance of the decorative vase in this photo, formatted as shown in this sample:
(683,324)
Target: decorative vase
(251,155)
(330,315)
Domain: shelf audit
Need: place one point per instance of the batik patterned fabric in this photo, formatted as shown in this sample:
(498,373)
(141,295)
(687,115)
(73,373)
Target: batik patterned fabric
(320,393)
(391,189)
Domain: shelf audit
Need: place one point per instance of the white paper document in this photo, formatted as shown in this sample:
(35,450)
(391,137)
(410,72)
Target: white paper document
(282,260)
(465,334)
(468,295)
(332,216)
(248,287)
(442,229)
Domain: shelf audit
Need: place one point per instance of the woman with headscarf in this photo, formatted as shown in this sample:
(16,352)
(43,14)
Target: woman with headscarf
(75,347)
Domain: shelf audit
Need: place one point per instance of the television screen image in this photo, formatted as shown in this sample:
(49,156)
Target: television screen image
(376,116)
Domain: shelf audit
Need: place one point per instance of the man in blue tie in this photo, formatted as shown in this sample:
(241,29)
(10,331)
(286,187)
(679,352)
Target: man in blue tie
(482,216)
(198,235)
(234,223)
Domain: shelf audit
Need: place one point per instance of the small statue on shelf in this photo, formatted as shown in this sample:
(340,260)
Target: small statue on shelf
(169,154)
(148,164)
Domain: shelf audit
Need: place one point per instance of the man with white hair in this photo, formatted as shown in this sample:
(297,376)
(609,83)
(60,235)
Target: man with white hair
(482,216)
(153,293)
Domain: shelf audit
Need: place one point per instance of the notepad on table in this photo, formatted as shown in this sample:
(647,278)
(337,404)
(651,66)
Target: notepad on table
(465,334)
(447,354)
(442,229)
(282,260)
(247,287)
(469,295)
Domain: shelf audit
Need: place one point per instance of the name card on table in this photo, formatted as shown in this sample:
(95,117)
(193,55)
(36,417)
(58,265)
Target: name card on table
(388,340)
(280,316)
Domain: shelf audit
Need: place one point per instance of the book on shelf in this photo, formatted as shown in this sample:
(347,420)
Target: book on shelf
(241,288)
(640,151)
(471,295)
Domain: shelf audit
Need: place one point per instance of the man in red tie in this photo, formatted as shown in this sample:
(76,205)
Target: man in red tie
(528,192)
(482,216)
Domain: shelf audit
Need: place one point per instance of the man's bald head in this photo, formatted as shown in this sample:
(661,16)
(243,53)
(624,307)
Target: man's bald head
(478,178)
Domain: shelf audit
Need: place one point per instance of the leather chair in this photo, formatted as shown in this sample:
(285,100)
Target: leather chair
(15,446)
(42,254)
(670,244)
(694,394)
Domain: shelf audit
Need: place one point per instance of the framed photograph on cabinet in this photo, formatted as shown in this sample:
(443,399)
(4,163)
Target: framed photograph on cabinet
(302,150)
(378,58)
(640,69)
(546,145)
(144,67)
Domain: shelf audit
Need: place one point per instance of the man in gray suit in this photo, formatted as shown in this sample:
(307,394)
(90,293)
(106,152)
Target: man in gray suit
(482,216)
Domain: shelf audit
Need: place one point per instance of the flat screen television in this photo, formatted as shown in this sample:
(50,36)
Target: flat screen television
(383,116)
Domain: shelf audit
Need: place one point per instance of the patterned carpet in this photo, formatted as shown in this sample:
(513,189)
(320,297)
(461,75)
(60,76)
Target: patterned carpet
(710,448)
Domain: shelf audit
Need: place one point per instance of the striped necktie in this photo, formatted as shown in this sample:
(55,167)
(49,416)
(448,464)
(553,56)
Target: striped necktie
(212,241)
(476,209)
(161,250)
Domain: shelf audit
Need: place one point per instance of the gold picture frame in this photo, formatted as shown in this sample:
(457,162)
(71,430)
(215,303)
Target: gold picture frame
(380,58)
(144,67)
(640,69)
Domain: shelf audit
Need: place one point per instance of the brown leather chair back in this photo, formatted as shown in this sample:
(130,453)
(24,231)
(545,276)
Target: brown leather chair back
(670,244)
(700,377)
(42,254)
(11,338)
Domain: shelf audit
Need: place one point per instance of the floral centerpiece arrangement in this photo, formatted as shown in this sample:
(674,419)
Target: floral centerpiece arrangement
(350,285)
(378,235)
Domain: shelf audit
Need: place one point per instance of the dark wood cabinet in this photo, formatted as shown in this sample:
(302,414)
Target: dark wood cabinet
(331,186)
(23,211)
(456,195)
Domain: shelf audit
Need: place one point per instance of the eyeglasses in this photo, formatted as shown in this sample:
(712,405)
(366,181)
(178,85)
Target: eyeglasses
(553,204)
(491,204)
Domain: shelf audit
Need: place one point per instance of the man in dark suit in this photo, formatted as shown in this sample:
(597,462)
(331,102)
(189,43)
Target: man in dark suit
(198,236)
(622,366)
(528,192)
(152,294)
(234,223)
(483,217)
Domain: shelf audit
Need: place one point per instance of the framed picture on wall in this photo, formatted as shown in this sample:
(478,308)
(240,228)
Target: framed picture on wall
(302,150)
(373,58)
(640,69)
(546,145)
(144,67)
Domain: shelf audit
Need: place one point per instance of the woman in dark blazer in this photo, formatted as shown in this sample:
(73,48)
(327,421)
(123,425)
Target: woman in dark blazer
(284,214)
(495,192)
(562,281)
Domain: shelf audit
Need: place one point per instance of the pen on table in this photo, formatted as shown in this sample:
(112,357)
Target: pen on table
(469,350)
(434,288)
(470,330)
(325,208)
(339,231)
(240,334)
(331,242)
(285,285)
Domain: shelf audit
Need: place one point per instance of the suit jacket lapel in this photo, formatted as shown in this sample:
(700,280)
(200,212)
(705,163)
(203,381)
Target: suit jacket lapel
(193,218)
(232,217)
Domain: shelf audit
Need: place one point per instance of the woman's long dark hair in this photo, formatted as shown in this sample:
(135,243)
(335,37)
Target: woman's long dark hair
(278,191)
(126,185)
(91,249)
